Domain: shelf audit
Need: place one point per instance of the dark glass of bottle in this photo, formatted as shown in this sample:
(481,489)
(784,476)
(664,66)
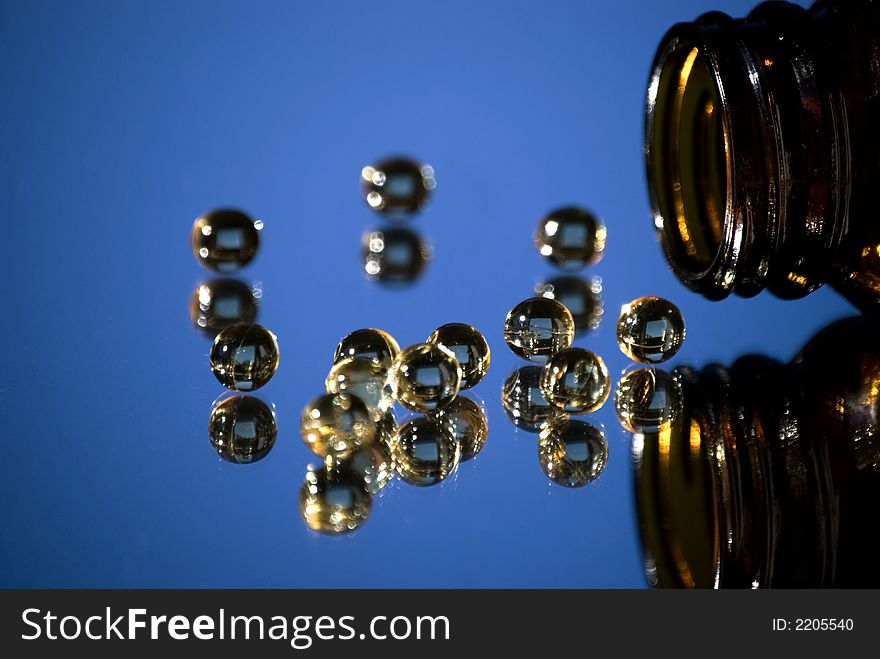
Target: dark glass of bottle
(762,144)
(769,474)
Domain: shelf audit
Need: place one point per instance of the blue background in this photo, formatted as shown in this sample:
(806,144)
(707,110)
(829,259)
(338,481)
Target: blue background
(123,121)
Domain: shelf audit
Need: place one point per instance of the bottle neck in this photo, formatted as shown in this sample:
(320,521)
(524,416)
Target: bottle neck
(748,152)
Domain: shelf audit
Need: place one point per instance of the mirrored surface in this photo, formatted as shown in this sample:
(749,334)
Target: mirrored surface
(113,147)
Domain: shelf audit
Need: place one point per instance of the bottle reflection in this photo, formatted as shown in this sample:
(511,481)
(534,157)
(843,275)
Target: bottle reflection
(767,475)
(582,297)
(217,303)
(242,429)
(572,453)
(394,256)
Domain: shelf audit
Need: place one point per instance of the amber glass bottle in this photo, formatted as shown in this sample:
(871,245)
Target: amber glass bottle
(769,476)
(762,142)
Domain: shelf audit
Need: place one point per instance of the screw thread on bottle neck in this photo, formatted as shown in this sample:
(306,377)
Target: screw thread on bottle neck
(747,148)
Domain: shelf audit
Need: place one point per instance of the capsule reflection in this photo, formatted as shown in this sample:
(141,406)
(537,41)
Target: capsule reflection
(523,401)
(242,429)
(571,452)
(394,256)
(426,451)
(582,297)
(768,475)
(467,422)
(218,303)
(334,499)
(647,399)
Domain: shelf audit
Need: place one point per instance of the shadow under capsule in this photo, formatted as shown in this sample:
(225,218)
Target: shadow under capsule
(217,303)
(394,256)
(765,474)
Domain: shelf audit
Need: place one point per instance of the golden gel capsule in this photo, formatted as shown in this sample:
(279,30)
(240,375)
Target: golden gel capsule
(537,328)
(650,330)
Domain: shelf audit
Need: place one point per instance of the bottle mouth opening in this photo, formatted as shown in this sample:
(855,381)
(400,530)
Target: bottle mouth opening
(688,155)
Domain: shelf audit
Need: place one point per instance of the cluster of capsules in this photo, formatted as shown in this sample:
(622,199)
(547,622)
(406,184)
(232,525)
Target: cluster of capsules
(353,426)
(354,429)
(572,380)
(397,189)
(650,330)
(244,355)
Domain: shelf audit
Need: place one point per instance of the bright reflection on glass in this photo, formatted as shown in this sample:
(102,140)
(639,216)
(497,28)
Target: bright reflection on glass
(244,356)
(424,377)
(469,346)
(650,330)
